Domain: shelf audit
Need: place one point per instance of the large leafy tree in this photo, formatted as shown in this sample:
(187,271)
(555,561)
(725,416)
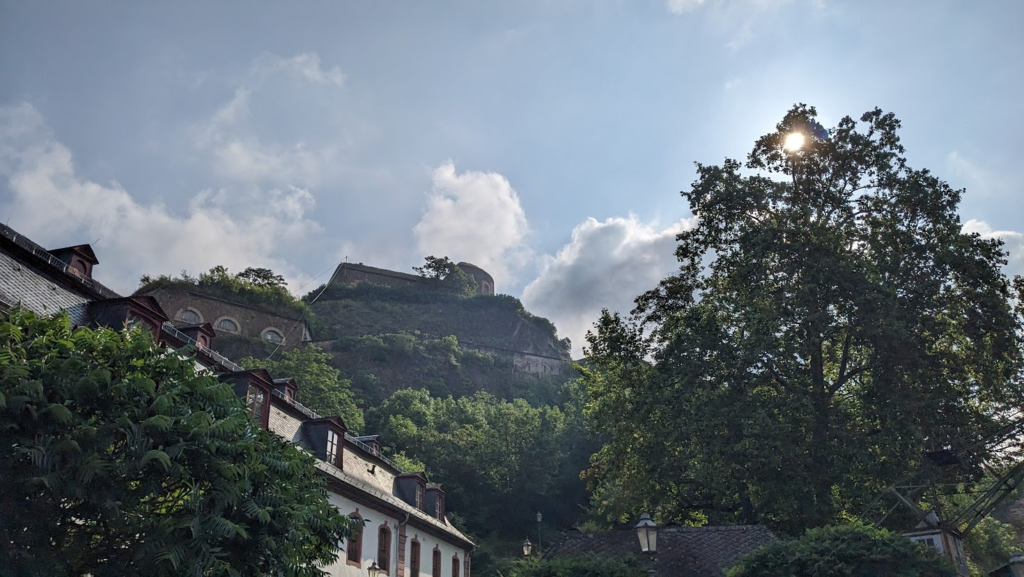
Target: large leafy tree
(829,322)
(501,461)
(321,387)
(118,457)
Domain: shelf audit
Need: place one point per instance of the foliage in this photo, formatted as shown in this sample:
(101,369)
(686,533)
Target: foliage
(258,287)
(829,322)
(452,279)
(440,365)
(118,458)
(501,461)
(989,545)
(586,566)
(321,387)
(844,551)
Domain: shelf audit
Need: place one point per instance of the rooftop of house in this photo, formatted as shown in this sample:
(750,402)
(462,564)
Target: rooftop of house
(691,551)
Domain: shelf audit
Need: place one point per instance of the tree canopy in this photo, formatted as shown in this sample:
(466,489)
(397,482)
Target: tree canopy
(451,278)
(829,323)
(259,287)
(501,461)
(321,387)
(118,457)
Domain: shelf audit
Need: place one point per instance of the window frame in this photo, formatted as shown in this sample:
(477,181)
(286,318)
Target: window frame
(456,565)
(435,570)
(199,316)
(236,330)
(415,555)
(333,444)
(384,548)
(355,545)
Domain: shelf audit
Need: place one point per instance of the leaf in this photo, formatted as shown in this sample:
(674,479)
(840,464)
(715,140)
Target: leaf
(159,456)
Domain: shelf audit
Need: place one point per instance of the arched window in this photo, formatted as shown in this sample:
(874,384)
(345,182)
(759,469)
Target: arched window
(190,316)
(226,324)
(435,570)
(354,551)
(384,549)
(273,335)
(455,566)
(414,559)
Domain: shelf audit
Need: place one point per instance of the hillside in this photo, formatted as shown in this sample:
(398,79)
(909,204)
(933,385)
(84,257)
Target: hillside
(387,338)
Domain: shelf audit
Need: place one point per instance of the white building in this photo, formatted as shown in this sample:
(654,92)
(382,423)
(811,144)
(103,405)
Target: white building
(406,532)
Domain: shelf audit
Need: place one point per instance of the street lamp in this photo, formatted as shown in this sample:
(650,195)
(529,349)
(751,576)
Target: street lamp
(527,547)
(647,532)
(374,570)
(539,517)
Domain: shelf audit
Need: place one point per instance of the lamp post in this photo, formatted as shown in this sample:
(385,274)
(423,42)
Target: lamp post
(539,517)
(374,570)
(647,532)
(527,547)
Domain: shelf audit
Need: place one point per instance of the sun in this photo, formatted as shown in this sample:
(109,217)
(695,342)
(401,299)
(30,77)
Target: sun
(794,142)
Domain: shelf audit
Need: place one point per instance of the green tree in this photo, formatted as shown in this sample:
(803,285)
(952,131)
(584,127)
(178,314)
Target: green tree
(501,461)
(844,551)
(261,277)
(451,278)
(117,458)
(321,387)
(829,322)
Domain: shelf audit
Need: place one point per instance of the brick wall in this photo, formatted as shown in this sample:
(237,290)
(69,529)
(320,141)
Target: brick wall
(251,322)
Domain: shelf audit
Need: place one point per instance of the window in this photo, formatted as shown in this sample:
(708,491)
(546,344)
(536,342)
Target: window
(435,570)
(419,496)
(332,447)
(455,566)
(255,399)
(189,316)
(414,559)
(273,336)
(227,325)
(354,552)
(384,549)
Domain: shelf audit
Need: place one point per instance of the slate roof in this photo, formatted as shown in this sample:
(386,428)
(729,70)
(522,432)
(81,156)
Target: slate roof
(689,551)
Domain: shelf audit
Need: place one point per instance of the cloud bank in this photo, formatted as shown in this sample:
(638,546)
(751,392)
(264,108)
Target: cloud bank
(606,264)
(474,217)
(57,207)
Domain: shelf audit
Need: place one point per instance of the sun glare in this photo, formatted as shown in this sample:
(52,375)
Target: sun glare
(794,141)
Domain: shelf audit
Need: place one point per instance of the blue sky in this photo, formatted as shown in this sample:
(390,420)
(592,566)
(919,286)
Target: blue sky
(543,140)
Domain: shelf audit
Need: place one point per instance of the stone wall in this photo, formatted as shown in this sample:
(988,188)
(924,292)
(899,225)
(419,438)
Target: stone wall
(348,273)
(251,322)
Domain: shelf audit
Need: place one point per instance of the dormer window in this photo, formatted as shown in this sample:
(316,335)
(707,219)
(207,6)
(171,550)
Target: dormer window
(420,490)
(255,399)
(332,447)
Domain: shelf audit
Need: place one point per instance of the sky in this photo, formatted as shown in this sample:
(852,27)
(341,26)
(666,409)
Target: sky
(543,140)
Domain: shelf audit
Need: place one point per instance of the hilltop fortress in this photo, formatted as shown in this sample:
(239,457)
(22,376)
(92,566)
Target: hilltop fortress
(348,273)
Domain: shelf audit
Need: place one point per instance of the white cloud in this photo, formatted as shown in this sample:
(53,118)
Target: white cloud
(305,66)
(680,6)
(474,217)
(55,206)
(1013,242)
(240,156)
(605,265)
(733,83)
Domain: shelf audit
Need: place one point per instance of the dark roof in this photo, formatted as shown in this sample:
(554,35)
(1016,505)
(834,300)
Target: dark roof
(83,250)
(690,551)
